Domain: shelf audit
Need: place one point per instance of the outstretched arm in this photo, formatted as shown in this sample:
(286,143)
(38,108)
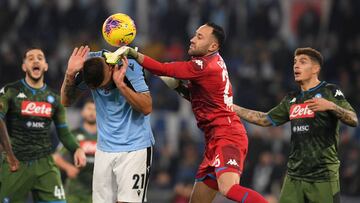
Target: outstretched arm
(69,92)
(255,117)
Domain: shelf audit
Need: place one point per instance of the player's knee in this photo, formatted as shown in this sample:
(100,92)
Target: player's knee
(225,187)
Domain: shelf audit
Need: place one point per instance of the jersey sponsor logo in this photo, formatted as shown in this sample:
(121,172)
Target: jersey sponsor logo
(21,95)
(300,111)
(301,128)
(89,146)
(338,93)
(232,162)
(40,109)
(34,124)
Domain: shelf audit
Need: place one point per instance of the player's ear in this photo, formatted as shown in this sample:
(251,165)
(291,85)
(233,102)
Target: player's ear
(46,66)
(23,67)
(316,68)
(214,46)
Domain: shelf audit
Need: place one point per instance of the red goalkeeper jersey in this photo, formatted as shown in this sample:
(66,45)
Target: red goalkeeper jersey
(210,89)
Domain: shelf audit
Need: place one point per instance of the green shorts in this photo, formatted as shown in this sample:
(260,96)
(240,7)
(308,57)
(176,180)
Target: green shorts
(299,191)
(41,177)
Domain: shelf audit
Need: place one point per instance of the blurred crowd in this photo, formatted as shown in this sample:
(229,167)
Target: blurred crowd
(261,38)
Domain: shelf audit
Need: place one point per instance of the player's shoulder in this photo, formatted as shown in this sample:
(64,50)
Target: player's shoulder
(13,86)
(334,90)
(292,94)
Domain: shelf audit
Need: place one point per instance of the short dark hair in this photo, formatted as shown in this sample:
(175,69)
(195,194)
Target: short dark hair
(32,48)
(93,72)
(312,53)
(218,32)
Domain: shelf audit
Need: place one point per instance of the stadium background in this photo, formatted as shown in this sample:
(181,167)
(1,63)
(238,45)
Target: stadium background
(261,38)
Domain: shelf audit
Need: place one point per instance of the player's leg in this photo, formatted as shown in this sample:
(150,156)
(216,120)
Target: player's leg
(202,193)
(230,164)
(323,192)
(132,170)
(291,191)
(47,186)
(104,185)
(15,186)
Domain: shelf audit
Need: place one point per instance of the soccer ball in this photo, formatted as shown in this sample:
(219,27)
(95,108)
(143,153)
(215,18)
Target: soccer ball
(119,29)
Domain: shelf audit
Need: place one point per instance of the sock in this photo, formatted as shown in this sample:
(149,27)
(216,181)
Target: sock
(244,195)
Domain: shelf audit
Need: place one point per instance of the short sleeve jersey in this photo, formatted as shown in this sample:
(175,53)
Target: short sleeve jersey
(28,113)
(314,136)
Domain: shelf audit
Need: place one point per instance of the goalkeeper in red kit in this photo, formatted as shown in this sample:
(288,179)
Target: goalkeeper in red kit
(210,94)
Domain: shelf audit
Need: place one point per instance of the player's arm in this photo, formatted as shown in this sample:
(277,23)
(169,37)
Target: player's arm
(346,116)
(69,91)
(5,96)
(67,138)
(5,142)
(70,169)
(176,85)
(183,70)
(255,117)
(141,102)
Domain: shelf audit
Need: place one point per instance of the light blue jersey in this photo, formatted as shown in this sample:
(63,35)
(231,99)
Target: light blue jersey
(120,127)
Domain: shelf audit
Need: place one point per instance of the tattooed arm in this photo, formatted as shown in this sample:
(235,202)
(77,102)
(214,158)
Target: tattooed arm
(69,92)
(255,117)
(346,116)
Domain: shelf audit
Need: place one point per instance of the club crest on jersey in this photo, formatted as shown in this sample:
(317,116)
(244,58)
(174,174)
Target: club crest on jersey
(50,99)
(39,109)
(300,111)
(318,95)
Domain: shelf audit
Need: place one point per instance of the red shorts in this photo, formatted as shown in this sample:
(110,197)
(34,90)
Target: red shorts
(222,155)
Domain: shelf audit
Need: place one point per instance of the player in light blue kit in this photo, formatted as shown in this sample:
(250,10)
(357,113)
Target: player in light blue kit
(123,104)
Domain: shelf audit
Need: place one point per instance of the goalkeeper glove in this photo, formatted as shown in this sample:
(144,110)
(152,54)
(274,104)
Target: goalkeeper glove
(113,57)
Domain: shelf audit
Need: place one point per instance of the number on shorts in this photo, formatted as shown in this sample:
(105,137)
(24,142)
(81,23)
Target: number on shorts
(59,192)
(137,178)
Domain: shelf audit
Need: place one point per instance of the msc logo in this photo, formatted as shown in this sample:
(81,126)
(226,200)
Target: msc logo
(232,162)
(33,124)
(301,128)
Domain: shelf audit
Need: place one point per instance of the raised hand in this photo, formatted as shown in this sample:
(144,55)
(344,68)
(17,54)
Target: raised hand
(119,73)
(319,104)
(77,59)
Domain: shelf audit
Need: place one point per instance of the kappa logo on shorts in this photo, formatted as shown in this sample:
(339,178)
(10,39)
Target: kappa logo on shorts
(232,162)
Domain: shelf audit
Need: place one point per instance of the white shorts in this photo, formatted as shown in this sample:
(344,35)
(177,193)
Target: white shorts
(121,176)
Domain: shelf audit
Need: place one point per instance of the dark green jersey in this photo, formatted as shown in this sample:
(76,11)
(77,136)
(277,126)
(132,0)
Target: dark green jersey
(82,184)
(28,113)
(314,136)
